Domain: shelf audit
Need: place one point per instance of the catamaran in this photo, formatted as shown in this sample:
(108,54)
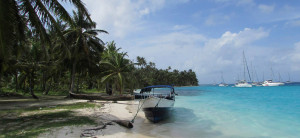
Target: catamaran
(158,104)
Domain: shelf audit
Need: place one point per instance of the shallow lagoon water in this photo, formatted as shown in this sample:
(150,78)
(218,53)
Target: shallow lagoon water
(211,111)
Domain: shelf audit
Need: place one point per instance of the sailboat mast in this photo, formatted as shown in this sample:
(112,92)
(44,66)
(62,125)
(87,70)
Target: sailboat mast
(222,77)
(247,67)
(244,65)
(272,72)
(252,72)
(279,77)
(256,75)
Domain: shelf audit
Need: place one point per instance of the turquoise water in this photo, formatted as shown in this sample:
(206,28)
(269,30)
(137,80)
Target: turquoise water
(208,111)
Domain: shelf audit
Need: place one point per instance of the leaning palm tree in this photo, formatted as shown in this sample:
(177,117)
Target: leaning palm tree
(83,42)
(117,67)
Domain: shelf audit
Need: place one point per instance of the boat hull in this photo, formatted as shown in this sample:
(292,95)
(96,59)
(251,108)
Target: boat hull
(273,84)
(157,109)
(156,114)
(223,85)
(243,85)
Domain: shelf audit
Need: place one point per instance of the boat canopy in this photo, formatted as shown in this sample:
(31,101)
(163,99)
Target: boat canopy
(148,88)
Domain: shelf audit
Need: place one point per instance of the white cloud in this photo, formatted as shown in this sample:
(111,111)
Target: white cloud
(123,17)
(181,47)
(120,18)
(266,8)
(145,11)
(243,38)
(206,56)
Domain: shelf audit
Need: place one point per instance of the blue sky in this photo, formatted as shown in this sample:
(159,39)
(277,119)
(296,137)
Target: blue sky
(207,36)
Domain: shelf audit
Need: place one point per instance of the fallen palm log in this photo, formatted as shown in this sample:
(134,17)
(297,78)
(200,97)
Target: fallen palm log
(88,133)
(124,123)
(102,97)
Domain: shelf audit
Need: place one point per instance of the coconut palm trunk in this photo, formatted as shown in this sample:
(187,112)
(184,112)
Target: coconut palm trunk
(108,88)
(16,77)
(73,77)
(77,86)
(31,85)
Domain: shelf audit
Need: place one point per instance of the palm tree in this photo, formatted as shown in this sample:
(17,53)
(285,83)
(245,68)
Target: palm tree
(19,16)
(15,13)
(116,65)
(83,42)
(141,61)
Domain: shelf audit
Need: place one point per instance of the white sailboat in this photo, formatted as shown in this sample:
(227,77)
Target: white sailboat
(271,83)
(244,83)
(222,84)
(289,81)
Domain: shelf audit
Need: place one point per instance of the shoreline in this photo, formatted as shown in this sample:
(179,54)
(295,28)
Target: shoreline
(102,113)
(122,110)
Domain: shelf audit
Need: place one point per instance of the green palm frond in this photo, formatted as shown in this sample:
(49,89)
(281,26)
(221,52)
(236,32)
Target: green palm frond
(59,10)
(107,63)
(107,77)
(36,23)
(80,6)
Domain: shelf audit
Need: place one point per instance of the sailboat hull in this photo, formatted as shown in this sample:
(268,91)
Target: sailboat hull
(273,84)
(243,85)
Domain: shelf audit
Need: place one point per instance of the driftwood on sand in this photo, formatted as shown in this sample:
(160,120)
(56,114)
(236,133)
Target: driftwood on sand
(102,97)
(88,133)
(124,123)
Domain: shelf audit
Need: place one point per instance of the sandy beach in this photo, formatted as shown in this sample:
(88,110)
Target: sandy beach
(122,110)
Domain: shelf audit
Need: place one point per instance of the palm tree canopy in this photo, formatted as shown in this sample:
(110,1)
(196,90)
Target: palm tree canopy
(117,67)
(82,37)
(18,15)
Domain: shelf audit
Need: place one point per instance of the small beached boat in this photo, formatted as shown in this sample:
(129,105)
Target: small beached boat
(158,104)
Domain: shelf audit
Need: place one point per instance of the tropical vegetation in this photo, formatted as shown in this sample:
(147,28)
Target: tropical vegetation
(44,50)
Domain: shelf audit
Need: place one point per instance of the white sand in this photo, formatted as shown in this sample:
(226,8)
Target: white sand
(123,110)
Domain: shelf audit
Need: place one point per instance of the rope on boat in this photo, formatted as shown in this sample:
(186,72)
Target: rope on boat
(157,103)
(139,108)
